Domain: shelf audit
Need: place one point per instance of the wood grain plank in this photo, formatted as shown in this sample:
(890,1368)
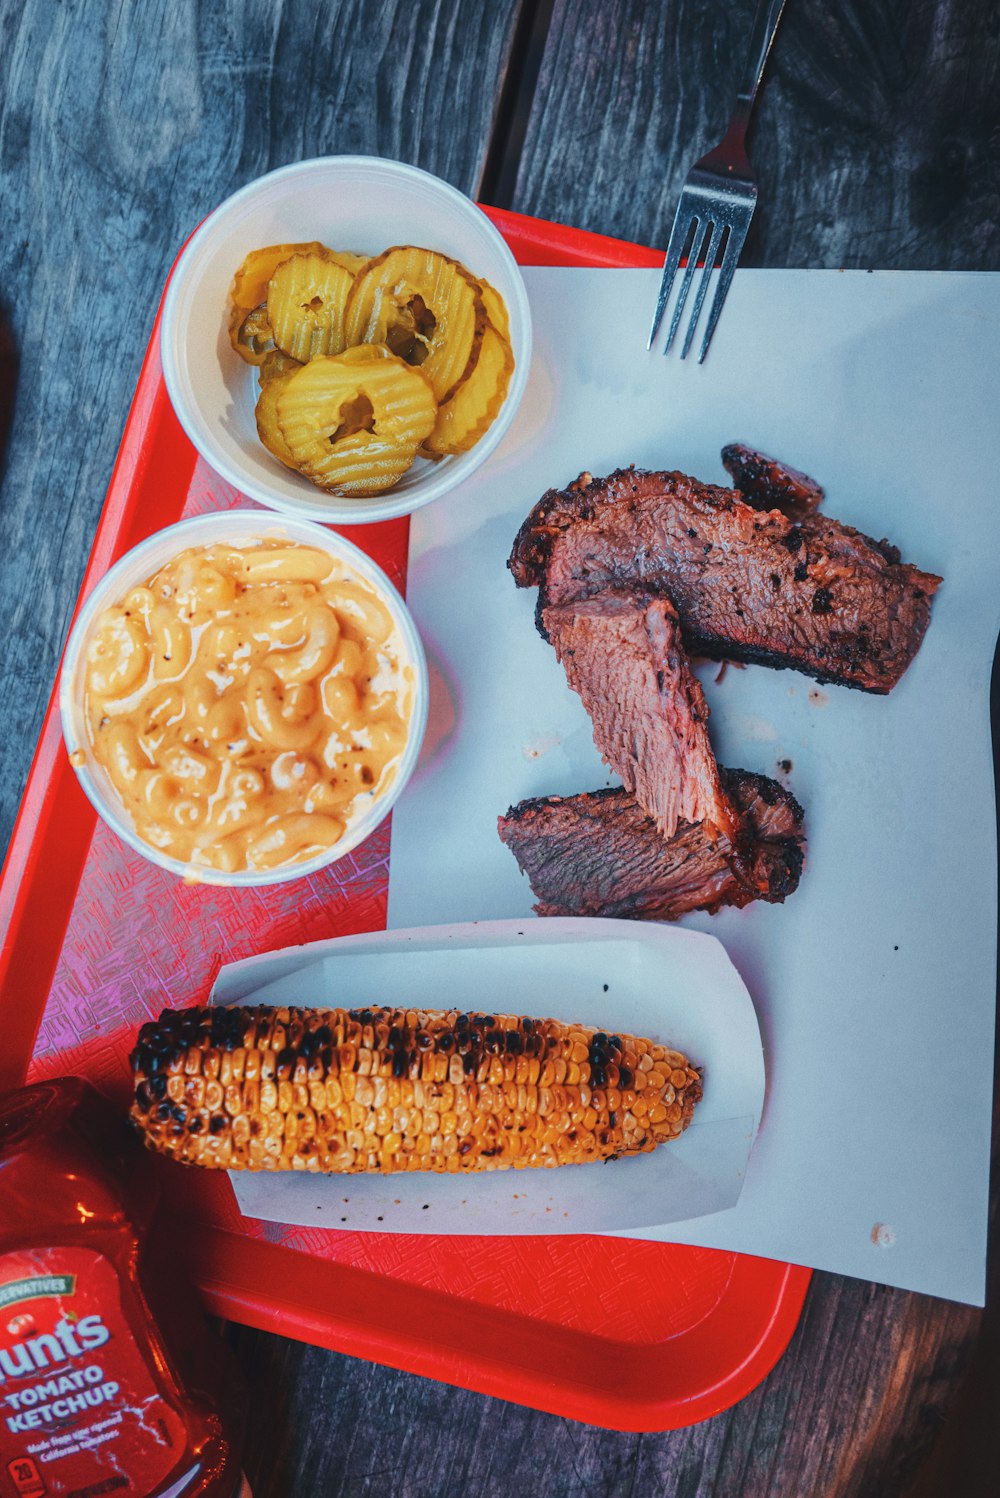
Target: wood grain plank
(876,137)
(123,123)
(408,1436)
(850,1412)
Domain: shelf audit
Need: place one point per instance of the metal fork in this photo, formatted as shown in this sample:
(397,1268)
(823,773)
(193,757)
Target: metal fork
(718,197)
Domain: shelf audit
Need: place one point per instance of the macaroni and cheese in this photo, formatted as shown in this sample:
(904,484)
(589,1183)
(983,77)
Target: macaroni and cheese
(247,703)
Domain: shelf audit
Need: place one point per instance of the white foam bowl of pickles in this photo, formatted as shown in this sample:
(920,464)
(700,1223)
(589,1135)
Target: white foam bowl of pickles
(251,717)
(355,203)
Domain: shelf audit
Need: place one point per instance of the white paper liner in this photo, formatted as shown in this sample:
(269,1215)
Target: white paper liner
(675,986)
(875,984)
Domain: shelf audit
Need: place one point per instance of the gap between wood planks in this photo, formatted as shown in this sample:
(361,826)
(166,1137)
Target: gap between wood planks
(498,178)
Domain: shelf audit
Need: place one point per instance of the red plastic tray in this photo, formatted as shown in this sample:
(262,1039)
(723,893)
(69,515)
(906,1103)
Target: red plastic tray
(621,1333)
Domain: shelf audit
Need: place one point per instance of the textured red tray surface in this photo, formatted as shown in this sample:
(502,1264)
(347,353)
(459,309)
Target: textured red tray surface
(97,940)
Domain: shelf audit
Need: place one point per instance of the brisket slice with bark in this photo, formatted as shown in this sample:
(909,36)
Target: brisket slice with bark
(768,484)
(748,585)
(598,854)
(622,653)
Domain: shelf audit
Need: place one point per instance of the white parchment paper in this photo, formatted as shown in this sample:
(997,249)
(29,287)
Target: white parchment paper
(875,983)
(611,974)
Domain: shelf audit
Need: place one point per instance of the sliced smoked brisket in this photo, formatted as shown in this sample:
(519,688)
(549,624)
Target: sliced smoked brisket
(623,654)
(598,854)
(748,585)
(768,484)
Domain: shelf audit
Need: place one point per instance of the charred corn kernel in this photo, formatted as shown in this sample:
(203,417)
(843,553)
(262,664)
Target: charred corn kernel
(347,1090)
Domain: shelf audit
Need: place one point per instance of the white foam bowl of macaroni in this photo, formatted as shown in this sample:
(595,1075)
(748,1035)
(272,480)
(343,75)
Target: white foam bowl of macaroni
(360,204)
(243,698)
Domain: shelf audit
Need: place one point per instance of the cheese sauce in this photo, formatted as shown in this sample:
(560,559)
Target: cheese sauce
(247,703)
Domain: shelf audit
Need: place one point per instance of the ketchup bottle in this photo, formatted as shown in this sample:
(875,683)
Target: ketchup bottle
(110,1380)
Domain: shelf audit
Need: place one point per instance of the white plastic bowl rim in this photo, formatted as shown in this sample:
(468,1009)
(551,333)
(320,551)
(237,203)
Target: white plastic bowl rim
(136,567)
(249,470)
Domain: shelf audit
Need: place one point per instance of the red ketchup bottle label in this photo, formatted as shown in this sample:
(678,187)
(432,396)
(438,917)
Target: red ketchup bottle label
(80,1415)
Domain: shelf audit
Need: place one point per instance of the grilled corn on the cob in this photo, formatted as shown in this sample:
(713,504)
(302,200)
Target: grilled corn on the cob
(393,1090)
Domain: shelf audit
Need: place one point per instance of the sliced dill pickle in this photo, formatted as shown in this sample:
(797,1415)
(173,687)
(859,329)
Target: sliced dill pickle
(473,408)
(353,422)
(306,299)
(427,309)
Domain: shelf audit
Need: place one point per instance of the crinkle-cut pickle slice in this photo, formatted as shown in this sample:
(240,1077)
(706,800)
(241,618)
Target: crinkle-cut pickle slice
(252,338)
(249,287)
(496,307)
(250,282)
(348,260)
(476,403)
(426,308)
(275,372)
(366,353)
(275,363)
(306,298)
(354,424)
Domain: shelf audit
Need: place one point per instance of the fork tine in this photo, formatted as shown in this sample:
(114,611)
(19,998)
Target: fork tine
(706,276)
(675,249)
(682,295)
(734,248)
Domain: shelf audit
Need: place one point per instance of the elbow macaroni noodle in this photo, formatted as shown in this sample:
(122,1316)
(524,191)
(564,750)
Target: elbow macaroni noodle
(247,703)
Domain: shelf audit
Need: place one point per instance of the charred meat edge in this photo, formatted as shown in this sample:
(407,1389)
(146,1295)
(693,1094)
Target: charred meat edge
(895,584)
(768,484)
(661,886)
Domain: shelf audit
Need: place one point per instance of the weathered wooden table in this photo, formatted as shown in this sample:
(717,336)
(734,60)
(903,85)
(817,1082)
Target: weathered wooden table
(877,143)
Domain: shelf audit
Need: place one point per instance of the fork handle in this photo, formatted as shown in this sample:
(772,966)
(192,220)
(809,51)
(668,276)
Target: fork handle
(765,24)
